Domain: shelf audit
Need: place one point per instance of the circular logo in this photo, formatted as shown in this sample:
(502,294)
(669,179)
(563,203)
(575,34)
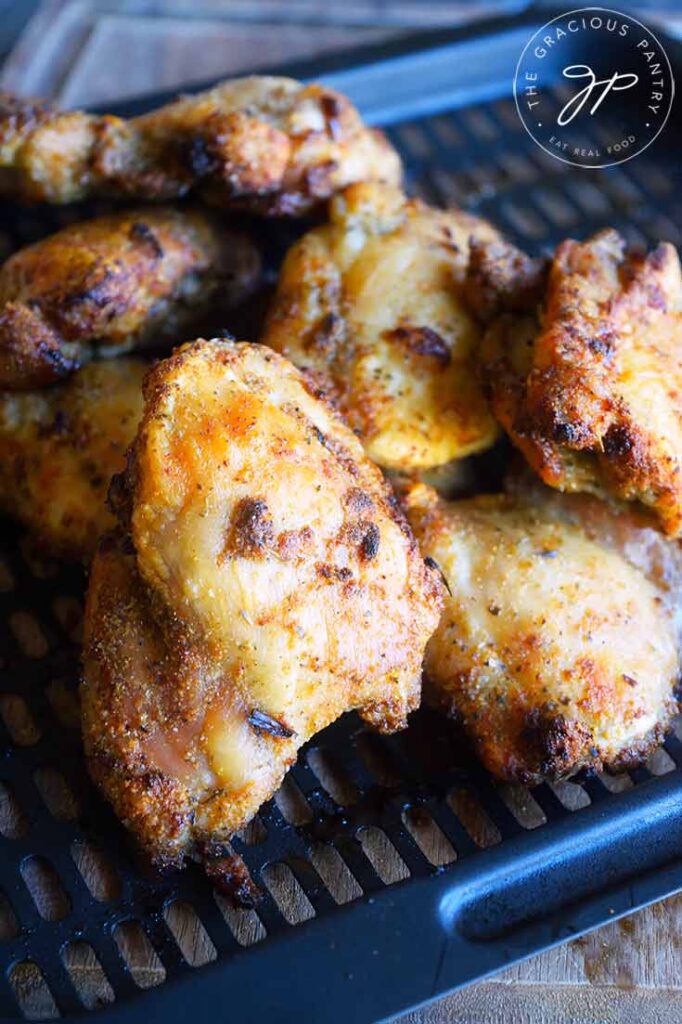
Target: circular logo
(594,87)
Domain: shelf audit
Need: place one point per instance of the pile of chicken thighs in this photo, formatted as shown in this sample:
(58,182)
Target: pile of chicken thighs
(287,528)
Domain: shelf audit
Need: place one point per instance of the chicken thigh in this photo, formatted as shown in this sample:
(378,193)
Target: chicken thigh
(592,394)
(559,645)
(115,283)
(60,447)
(262,583)
(266,144)
(372,305)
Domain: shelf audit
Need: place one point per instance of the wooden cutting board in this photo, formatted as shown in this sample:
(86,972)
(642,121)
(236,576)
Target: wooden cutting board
(91,53)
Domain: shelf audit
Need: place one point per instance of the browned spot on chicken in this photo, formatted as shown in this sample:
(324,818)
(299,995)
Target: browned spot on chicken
(339,574)
(142,233)
(295,544)
(369,545)
(263,722)
(332,112)
(554,744)
(230,876)
(328,334)
(251,532)
(421,341)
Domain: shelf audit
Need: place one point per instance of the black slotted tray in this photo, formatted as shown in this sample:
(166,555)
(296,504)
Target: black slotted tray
(528,872)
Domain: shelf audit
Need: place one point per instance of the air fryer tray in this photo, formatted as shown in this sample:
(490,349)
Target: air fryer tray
(451,876)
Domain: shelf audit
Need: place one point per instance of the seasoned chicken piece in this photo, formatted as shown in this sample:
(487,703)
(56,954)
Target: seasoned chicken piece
(593,394)
(371,304)
(266,144)
(112,284)
(264,583)
(59,448)
(559,645)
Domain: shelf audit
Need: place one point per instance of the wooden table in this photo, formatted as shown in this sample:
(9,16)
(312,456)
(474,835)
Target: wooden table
(90,53)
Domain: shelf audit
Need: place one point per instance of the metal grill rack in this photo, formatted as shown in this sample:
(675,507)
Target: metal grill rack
(392,869)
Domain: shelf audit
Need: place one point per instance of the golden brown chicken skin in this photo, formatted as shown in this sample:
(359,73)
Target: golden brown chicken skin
(263,583)
(558,648)
(59,448)
(267,144)
(115,283)
(592,395)
(372,305)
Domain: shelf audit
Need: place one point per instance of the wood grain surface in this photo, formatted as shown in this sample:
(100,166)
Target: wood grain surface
(87,53)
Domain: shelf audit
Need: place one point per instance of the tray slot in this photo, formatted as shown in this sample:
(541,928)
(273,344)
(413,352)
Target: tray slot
(335,873)
(87,975)
(189,933)
(431,839)
(61,984)
(138,954)
(360,867)
(113,965)
(312,885)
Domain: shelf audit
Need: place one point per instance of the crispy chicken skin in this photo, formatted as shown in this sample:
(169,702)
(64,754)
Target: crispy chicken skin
(59,448)
(263,583)
(593,395)
(266,144)
(371,305)
(112,284)
(558,648)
